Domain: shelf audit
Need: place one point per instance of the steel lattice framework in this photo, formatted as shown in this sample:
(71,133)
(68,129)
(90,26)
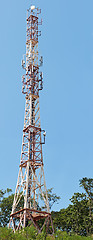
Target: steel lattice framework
(31,193)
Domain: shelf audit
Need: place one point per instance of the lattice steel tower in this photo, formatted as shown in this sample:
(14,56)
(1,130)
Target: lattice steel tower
(31,199)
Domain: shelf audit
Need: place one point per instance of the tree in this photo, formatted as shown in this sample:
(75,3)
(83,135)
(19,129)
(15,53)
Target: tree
(73,219)
(5,206)
(52,198)
(87,184)
(60,220)
(79,213)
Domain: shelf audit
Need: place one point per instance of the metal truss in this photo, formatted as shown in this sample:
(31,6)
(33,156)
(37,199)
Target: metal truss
(31,199)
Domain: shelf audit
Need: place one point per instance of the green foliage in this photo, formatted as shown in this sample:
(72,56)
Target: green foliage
(78,216)
(6,234)
(64,236)
(52,197)
(79,213)
(49,237)
(87,184)
(42,235)
(5,206)
(30,233)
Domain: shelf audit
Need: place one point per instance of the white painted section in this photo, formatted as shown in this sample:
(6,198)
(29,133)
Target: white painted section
(32,7)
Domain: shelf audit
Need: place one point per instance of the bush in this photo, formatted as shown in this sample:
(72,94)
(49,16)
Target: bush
(30,233)
(6,234)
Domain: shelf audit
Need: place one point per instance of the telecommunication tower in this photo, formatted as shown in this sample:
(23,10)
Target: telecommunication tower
(31,199)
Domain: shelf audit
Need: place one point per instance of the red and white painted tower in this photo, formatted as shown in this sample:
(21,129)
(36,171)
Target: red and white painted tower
(31,199)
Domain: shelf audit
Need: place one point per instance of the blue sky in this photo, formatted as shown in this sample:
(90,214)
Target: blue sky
(66,102)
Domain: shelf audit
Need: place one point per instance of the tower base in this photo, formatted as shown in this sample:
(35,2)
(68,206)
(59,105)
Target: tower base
(26,216)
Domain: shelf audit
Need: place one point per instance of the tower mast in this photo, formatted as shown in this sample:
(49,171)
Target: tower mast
(30,203)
